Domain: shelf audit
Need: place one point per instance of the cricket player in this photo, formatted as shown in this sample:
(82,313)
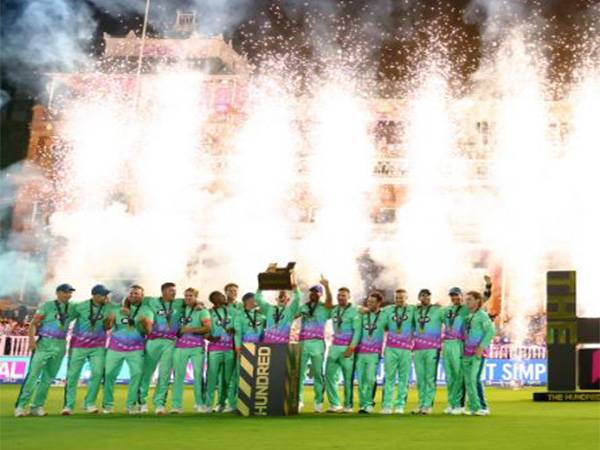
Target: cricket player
(50,323)
(479,332)
(194,322)
(397,359)
(314,314)
(88,343)
(346,323)
(231,292)
(126,345)
(221,356)
(427,344)
(280,316)
(369,344)
(160,319)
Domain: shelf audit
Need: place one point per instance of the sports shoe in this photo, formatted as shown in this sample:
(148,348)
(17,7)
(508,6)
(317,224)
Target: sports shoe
(335,409)
(348,410)
(217,409)
(386,411)
(160,410)
(362,411)
(448,410)
(457,411)
(399,411)
(107,411)
(482,412)
(38,412)
(369,409)
(143,409)
(91,410)
(416,411)
(427,411)
(467,412)
(229,409)
(176,411)
(133,411)
(66,411)
(20,412)
(318,408)
(201,409)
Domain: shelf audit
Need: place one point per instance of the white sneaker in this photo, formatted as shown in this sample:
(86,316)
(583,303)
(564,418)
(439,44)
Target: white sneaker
(300,406)
(201,409)
(427,411)
(229,409)
(133,411)
(160,410)
(107,411)
(457,411)
(91,410)
(386,411)
(482,412)
(369,409)
(143,409)
(176,411)
(416,411)
(19,412)
(66,411)
(467,412)
(38,412)
(348,410)
(399,411)
(318,408)
(448,410)
(335,409)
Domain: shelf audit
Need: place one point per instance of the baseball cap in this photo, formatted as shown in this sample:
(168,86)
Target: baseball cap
(247,296)
(424,292)
(64,287)
(317,288)
(100,289)
(455,291)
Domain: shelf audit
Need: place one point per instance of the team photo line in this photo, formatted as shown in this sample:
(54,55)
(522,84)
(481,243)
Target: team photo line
(168,333)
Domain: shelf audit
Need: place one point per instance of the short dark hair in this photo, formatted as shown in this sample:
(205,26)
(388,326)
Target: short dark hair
(228,285)
(167,285)
(214,294)
(477,296)
(377,296)
(136,286)
(344,289)
(400,291)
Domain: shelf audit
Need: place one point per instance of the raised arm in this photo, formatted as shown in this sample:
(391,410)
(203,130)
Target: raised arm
(487,293)
(328,296)
(261,302)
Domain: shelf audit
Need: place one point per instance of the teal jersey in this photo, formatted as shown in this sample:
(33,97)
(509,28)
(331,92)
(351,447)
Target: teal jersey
(454,321)
(54,318)
(164,317)
(400,324)
(222,325)
(346,323)
(279,318)
(428,327)
(372,332)
(314,317)
(127,333)
(249,327)
(89,331)
(191,318)
(479,332)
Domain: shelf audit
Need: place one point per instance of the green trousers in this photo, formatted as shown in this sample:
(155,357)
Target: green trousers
(472,367)
(452,351)
(336,363)
(366,370)
(314,351)
(112,367)
(220,364)
(181,357)
(396,365)
(44,365)
(77,358)
(426,364)
(232,392)
(159,352)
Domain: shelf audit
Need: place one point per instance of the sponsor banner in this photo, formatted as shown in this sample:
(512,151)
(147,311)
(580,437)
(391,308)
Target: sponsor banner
(531,372)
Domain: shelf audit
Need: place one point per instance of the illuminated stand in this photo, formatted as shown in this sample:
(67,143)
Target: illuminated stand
(573,344)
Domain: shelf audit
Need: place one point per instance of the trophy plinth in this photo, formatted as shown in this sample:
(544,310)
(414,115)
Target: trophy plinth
(276,278)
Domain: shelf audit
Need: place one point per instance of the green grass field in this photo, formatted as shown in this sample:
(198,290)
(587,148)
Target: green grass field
(516,423)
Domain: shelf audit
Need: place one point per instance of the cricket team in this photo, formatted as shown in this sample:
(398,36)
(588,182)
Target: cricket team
(169,333)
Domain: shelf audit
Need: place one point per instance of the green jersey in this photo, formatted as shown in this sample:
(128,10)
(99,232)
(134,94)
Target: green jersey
(428,327)
(479,332)
(372,332)
(191,318)
(279,318)
(127,333)
(454,321)
(222,325)
(400,323)
(346,323)
(164,317)
(89,331)
(314,317)
(249,327)
(54,318)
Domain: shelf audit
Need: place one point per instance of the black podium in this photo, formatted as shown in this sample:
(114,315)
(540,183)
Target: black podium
(268,384)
